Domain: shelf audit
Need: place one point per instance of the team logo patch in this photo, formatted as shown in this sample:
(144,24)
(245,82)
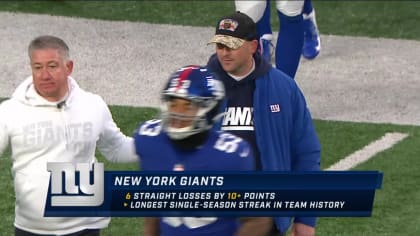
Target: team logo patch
(275,108)
(228,24)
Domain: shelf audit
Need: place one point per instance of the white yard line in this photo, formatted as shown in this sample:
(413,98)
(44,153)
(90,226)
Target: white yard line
(369,151)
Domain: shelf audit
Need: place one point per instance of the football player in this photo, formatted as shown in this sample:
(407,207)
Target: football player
(298,33)
(184,140)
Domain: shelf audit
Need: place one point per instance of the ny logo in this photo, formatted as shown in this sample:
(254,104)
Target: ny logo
(71,194)
(275,108)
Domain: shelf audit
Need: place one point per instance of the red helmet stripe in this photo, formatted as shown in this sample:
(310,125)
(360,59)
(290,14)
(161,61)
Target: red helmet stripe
(184,75)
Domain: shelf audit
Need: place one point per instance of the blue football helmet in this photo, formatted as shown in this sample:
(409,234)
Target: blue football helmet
(202,91)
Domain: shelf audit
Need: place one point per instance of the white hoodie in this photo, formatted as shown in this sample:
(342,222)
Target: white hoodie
(40,131)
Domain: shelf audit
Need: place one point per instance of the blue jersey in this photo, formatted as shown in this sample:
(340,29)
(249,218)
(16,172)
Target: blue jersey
(220,152)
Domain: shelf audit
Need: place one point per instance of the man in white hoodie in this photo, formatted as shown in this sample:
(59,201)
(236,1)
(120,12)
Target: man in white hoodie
(49,118)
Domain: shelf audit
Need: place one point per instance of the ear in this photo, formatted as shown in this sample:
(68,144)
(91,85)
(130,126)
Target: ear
(69,66)
(254,46)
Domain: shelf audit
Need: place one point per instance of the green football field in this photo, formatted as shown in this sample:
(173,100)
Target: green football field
(396,205)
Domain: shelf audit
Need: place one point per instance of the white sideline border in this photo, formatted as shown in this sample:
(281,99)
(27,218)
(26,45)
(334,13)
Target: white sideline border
(369,151)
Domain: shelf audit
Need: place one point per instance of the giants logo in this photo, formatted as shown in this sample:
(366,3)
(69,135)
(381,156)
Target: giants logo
(76,191)
(238,118)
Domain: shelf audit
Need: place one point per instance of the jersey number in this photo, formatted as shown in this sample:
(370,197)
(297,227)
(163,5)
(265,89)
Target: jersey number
(227,143)
(149,128)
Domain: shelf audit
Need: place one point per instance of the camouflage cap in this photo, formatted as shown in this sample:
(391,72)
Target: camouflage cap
(232,31)
(228,41)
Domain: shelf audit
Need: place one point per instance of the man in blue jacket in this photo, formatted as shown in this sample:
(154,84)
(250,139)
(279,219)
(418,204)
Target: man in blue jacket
(265,107)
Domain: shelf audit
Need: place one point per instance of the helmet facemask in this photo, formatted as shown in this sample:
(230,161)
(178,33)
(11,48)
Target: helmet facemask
(183,117)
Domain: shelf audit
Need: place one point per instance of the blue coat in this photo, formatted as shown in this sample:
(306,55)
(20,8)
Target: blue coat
(285,134)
